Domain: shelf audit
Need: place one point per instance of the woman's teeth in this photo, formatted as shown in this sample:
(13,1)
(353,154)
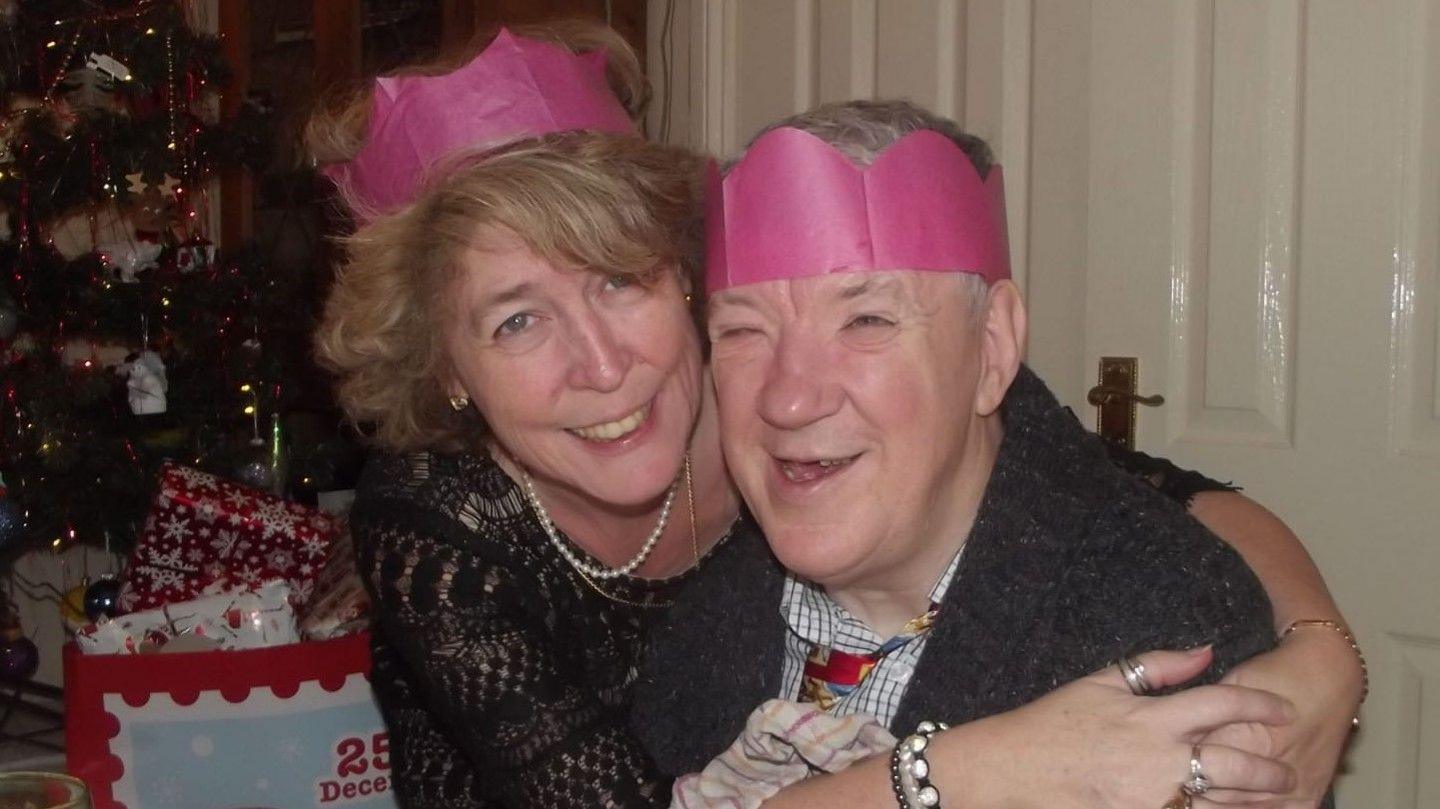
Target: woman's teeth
(612,430)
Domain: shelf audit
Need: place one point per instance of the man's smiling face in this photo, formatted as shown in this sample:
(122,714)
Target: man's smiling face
(849,405)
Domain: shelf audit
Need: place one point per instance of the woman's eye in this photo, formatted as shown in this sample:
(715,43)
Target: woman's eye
(514,324)
(619,282)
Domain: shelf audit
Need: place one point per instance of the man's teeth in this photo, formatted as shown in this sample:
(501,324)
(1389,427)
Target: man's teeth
(612,430)
(797,471)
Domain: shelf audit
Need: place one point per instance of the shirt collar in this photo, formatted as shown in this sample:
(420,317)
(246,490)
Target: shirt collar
(812,614)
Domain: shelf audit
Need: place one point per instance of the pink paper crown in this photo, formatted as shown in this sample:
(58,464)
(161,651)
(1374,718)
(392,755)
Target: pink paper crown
(516,88)
(796,207)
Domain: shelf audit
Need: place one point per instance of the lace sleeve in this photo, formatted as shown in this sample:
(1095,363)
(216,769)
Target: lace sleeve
(468,636)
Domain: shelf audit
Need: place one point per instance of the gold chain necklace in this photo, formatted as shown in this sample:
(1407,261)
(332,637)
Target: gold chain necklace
(694,549)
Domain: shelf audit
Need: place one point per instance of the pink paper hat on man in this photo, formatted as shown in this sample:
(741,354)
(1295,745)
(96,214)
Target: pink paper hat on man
(516,88)
(796,207)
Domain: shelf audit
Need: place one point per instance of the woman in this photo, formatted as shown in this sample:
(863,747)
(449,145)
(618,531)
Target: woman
(520,335)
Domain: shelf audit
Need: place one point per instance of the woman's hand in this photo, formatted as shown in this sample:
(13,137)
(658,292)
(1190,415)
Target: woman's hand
(1314,668)
(1318,672)
(1093,744)
(1090,744)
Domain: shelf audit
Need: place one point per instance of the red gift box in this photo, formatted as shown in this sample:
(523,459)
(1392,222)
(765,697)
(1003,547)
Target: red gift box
(207,535)
(289,726)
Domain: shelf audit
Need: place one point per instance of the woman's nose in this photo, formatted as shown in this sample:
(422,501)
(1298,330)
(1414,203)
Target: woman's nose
(600,360)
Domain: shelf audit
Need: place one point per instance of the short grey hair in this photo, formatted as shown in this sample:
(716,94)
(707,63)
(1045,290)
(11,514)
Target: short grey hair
(862,130)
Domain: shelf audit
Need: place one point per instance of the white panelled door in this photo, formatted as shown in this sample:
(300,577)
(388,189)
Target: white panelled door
(1262,201)
(1244,194)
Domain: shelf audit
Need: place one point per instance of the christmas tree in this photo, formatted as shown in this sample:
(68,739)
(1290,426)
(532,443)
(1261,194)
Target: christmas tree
(124,339)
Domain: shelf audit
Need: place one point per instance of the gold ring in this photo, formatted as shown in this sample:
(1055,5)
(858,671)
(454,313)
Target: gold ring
(1180,801)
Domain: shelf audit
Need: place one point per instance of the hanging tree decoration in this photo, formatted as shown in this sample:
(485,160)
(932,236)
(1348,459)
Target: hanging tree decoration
(146,381)
(91,87)
(19,656)
(12,521)
(105,182)
(102,598)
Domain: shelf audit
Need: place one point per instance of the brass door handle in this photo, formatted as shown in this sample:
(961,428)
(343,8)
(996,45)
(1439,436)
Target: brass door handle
(1115,400)
(1101,395)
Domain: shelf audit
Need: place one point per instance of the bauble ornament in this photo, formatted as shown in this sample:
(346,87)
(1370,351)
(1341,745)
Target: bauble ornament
(102,598)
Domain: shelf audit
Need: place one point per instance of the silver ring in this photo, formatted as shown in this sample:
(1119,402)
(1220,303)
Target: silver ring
(1198,783)
(1134,673)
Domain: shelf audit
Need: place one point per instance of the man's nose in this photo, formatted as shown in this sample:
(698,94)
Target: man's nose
(799,388)
(599,360)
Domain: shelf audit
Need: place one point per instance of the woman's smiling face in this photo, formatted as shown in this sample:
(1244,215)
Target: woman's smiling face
(591,382)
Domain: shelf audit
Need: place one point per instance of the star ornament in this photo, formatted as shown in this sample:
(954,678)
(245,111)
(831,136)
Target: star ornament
(138,186)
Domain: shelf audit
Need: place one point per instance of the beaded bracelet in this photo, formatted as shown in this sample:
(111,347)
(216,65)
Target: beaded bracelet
(910,770)
(1350,639)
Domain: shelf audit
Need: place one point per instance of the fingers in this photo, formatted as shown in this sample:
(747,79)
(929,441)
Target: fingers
(1239,801)
(1164,669)
(1208,707)
(1235,770)
(1235,799)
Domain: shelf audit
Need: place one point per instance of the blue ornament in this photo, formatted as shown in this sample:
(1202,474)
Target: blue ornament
(102,597)
(18,658)
(11,522)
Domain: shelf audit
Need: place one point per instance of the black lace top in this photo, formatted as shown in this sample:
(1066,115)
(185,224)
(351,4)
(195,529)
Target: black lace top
(503,675)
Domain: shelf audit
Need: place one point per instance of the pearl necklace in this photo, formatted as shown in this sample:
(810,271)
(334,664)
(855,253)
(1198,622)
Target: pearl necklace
(596,571)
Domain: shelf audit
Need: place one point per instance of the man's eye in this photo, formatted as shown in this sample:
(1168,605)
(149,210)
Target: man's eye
(868,321)
(726,332)
(514,324)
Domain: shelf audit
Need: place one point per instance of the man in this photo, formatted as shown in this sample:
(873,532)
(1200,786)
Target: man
(951,543)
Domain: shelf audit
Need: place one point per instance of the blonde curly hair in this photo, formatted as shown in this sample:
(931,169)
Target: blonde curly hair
(604,203)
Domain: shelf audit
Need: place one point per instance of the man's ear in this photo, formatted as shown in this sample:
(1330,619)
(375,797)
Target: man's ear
(1003,336)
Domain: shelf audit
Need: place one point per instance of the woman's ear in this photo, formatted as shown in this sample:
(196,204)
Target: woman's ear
(687,284)
(450,383)
(1003,336)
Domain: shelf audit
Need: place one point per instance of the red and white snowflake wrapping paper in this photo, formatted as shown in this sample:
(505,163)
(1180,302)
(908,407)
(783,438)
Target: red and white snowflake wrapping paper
(244,619)
(206,535)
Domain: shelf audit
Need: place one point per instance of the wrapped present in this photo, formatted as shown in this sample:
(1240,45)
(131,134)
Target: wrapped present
(205,535)
(340,605)
(291,726)
(240,620)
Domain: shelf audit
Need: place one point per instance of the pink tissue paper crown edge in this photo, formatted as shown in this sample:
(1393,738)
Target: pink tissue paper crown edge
(516,88)
(796,207)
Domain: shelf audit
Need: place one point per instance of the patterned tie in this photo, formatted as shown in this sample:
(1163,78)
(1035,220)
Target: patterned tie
(831,675)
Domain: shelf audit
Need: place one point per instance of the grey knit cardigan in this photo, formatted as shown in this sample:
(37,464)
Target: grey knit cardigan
(1071,563)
